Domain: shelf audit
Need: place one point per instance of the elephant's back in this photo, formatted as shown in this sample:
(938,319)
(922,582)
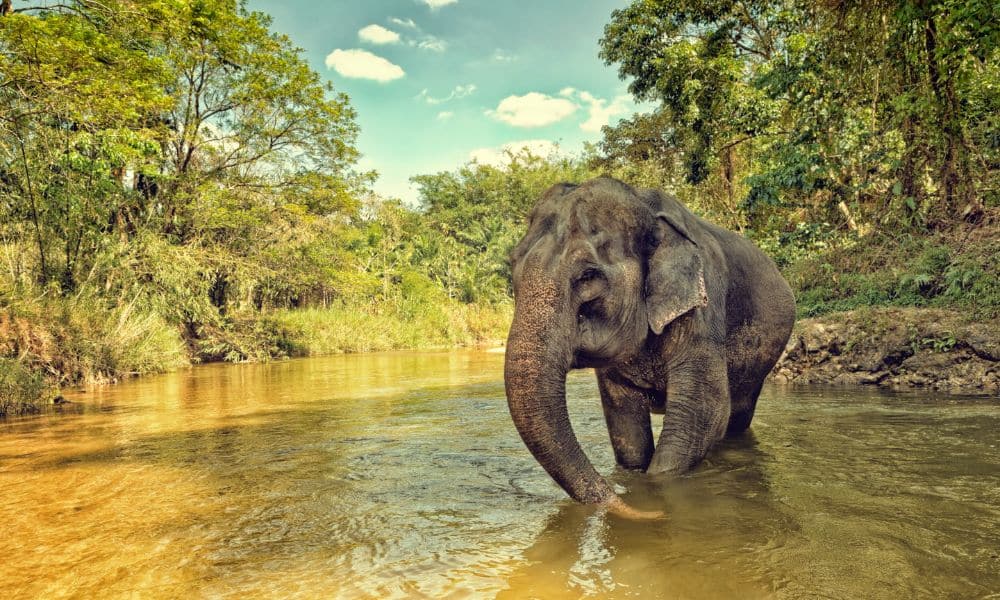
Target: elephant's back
(757,295)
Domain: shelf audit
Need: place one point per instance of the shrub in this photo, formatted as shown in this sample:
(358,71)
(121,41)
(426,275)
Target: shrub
(81,339)
(21,389)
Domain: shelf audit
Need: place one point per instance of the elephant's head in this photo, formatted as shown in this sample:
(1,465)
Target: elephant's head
(601,268)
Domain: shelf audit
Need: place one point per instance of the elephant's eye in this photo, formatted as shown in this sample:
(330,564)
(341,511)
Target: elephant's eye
(591,310)
(589,274)
(590,284)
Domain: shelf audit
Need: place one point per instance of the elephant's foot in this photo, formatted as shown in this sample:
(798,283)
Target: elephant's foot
(669,463)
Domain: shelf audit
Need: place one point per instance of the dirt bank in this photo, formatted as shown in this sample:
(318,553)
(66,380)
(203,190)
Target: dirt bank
(898,348)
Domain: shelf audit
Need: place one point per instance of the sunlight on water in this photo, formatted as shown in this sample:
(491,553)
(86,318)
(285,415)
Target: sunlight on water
(401,475)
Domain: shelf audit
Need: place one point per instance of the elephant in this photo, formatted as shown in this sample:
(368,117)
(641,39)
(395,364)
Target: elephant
(676,315)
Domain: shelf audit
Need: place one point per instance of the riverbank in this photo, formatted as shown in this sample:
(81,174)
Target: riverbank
(49,344)
(895,348)
(901,311)
(905,312)
(884,347)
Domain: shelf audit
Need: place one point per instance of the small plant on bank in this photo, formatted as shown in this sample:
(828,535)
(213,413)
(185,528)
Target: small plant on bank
(943,342)
(21,389)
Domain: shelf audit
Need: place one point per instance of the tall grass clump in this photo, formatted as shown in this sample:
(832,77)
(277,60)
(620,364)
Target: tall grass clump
(343,329)
(80,339)
(21,389)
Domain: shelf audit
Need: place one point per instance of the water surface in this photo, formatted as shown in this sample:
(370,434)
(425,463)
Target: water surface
(401,475)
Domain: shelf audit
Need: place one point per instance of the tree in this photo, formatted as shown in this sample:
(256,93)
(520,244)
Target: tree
(474,216)
(234,144)
(247,113)
(72,103)
(841,111)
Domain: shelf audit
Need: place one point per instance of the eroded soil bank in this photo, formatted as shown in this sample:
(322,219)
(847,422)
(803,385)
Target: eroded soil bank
(896,348)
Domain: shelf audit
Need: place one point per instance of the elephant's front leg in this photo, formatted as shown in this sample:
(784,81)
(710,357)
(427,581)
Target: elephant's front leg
(626,410)
(696,412)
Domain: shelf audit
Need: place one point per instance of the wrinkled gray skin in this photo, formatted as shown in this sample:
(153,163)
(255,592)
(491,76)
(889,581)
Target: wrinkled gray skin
(676,315)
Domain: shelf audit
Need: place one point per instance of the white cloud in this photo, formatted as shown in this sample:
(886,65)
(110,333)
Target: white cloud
(532,110)
(460,91)
(601,115)
(408,23)
(431,43)
(536,110)
(444,115)
(435,4)
(361,64)
(376,34)
(503,56)
(501,156)
(599,111)
(416,38)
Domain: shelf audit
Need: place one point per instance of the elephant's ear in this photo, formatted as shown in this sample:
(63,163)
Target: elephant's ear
(675,280)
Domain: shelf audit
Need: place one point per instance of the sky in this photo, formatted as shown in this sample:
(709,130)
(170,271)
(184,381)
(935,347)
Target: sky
(436,83)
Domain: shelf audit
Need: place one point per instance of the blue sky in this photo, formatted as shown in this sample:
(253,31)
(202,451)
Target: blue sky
(438,82)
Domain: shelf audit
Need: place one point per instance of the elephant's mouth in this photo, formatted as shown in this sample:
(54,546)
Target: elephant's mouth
(584,360)
(593,341)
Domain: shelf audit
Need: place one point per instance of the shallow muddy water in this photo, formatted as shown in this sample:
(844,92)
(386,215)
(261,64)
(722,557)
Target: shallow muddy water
(401,475)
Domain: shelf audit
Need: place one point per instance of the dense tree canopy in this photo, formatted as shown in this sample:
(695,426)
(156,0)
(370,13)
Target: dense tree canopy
(861,112)
(186,127)
(476,215)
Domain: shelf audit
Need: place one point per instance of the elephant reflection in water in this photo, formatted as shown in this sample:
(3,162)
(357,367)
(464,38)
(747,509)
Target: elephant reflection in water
(675,314)
(729,513)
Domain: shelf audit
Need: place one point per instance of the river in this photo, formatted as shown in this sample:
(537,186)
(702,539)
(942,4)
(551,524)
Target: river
(401,475)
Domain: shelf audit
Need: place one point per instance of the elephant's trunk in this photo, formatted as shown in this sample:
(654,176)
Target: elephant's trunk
(538,357)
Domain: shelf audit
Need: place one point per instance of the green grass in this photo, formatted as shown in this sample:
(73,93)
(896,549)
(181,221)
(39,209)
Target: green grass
(342,329)
(83,339)
(21,389)
(947,270)
(46,342)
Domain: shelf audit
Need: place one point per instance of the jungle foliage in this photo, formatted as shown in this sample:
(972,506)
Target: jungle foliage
(175,171)
(863,114)
(177,183)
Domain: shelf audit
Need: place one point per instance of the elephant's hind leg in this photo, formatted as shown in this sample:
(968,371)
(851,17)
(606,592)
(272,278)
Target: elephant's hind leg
(744,402)
(745,383)
(751,352)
